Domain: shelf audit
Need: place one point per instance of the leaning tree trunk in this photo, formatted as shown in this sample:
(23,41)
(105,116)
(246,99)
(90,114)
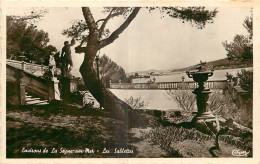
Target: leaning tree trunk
(105,97)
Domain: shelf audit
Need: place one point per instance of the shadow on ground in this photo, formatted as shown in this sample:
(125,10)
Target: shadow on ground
(70,132)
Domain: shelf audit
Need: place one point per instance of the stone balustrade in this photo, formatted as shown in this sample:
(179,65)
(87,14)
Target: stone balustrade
(28,67)
(221,84)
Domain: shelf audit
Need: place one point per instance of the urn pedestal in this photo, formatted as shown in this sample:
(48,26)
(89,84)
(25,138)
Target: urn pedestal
(65,92)
(202,96)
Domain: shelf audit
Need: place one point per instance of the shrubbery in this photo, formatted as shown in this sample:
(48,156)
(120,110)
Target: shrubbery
(168,137)
(136,103)
(223,104)
(220,102)
(246,81)
(243,112)
(185,99)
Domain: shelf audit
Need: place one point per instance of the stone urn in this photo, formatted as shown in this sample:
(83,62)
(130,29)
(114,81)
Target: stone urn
(202,95)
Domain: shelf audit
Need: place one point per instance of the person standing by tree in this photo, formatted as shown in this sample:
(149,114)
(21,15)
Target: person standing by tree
(66,60)
(66,67)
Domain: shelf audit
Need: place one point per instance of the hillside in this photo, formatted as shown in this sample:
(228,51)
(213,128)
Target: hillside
(216,65)
(219,65)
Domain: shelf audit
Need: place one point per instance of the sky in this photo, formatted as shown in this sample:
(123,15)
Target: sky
(150,42)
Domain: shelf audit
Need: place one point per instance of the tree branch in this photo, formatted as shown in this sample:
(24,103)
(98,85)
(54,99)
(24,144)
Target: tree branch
(110,15)
(105,22)
(100,20)
(118,31)
(79,49)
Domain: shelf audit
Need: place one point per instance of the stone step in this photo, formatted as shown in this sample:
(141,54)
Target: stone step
(31,99)
(44,103)
(36,102)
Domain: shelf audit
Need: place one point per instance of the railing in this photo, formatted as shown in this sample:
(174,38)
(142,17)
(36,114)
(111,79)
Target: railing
(169,85)
(28,67)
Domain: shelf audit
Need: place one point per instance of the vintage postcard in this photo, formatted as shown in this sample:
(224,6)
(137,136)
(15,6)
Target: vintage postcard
(130,82)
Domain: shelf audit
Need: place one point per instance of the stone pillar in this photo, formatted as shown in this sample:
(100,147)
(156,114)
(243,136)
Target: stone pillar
(16,89)
(22,93)
(56,88)
(19,75)
(51,91)
(65,93)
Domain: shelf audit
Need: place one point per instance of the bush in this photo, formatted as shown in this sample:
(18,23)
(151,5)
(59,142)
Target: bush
(224,105)
(169,137)
(229,77)
(185,99)
(136,103)
(246,81)
(221,103)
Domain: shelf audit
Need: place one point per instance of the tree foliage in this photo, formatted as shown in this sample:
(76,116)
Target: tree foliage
(23,38)
(109,70)
(248,24)
(246,81)
(79,30)
(197,16)
(241,48)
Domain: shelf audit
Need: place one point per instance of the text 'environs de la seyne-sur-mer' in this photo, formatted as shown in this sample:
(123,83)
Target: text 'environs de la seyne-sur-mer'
(76,151)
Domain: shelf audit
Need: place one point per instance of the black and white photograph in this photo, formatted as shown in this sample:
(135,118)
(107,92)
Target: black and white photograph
(129,82)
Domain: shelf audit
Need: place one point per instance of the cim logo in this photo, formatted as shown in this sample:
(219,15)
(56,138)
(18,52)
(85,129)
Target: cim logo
(240,153)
